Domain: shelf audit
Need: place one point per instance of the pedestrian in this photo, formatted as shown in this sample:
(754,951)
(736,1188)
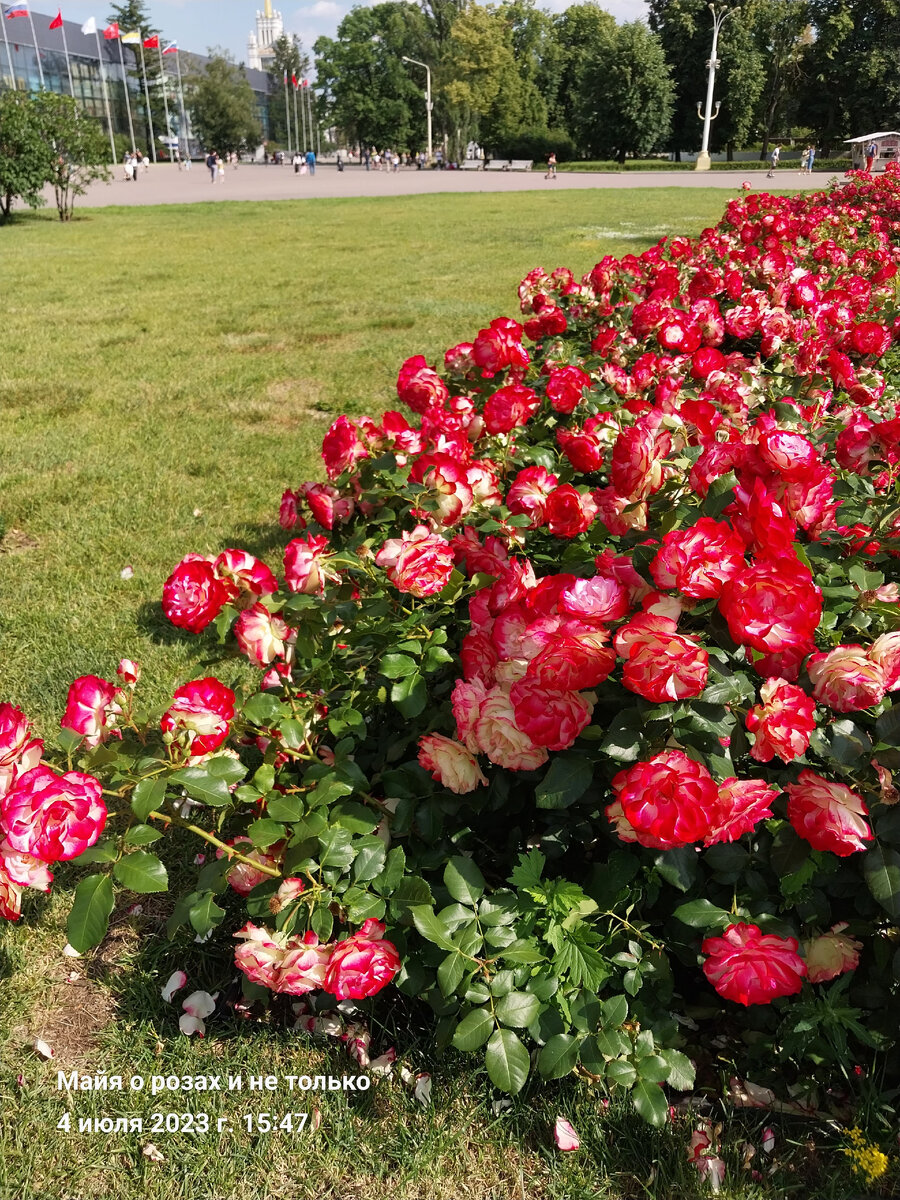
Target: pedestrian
(773,161)
(871,155)
(804,160)
(810,160)
(296,161)
(178,159)
(340,160)
(220,168)
(366,157)
(211,164)
(311,161)
(551,166)
(128,166)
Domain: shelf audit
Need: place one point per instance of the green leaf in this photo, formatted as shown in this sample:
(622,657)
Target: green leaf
(463,880)
(322,923)
(335,848)
(264,778)
(507,1061)
(263,709)
(265,833)
(653,1068)
(559,1056)
(473,1030)
(148,797)
(720,495)
(569,777)
(621,1071)
(881,868)
(703,914)
(410,695)
(431,927)
(205,915)
(623,738)
(200,785)
(614,1012)
(104,851)
(411,890)
(142,872)
(681,1070)
(223,766)
(679,867)
(650,1102)
(517,1009)
(89,919)
(397,666)
(142,835)
(284,808)
(370,857)
(522,950)
(450,973)
(395,865)
(355,817)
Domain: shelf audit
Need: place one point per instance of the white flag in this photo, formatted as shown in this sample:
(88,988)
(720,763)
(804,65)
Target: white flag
(90,26)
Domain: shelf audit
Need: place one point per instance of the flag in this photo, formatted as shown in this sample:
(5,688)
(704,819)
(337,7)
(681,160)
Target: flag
(152,43)
(131,39)
(16,10)
(285,77)
(56,23)
(111,31)
(172,48)
(90,26)
(294,80)
(305,83)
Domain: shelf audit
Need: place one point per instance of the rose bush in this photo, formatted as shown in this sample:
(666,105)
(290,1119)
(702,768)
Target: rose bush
(576,701)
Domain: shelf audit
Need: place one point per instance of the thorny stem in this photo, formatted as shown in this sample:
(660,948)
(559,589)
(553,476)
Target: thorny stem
(214,841)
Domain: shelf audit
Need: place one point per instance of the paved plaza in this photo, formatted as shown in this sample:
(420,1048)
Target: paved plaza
(163,183)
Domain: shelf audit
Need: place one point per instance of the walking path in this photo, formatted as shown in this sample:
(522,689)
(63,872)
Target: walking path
(165,184)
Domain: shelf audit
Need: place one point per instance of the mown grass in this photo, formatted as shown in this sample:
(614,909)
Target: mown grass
(165,374)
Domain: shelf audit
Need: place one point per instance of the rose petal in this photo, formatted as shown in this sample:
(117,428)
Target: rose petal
(41,1048)
(316,1118)
(70,951)
(199,1004)
(188,1025)
(422,1089)
(177,980)
(127,573)
(768,1139)
(151,1152)
(565,1136)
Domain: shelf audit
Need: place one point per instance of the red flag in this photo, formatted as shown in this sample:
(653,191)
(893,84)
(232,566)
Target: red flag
(152,43)
(293,79)
(305,83)
(111,31)
(56,23)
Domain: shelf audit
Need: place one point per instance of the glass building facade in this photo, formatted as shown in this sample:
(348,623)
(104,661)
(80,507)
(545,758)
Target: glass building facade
(19,70)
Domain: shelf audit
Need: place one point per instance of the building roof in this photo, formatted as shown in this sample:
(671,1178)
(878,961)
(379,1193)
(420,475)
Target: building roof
(869,137)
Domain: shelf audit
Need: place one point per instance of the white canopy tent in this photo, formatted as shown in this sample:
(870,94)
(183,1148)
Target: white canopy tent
(888,143)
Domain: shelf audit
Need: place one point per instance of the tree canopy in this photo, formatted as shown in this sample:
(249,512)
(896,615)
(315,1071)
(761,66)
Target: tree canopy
(223,105)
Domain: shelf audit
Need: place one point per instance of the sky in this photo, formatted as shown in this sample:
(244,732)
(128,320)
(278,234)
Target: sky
(198,25)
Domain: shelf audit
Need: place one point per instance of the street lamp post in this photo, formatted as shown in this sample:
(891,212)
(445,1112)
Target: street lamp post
(719,12)
(427,96)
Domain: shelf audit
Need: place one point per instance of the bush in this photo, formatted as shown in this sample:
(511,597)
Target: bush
(577,700)
(538,145)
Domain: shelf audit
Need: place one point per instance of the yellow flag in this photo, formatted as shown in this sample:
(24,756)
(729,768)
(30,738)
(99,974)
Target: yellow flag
(132,39)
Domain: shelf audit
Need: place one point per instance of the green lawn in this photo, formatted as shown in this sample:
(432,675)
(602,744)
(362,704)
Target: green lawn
(165,374)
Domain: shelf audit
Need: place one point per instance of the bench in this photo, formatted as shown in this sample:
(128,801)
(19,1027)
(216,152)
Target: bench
(510,164)
(471,164)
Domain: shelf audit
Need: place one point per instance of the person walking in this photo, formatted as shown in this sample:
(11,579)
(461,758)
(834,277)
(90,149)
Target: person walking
(311,161)
(551,166)
(804,161)
(220,168)
(871,155)
(296,161)
(773,161)
(211,165)
(811,160)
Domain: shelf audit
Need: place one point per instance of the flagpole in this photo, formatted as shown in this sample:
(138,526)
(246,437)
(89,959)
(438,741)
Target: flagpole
(127,98)
(287,114)
(187,145)
(37,50)
(109,124)
(296,125)
(318,130)
(62,30)
(302,114)
(164,77)
(12,70)
(147,98)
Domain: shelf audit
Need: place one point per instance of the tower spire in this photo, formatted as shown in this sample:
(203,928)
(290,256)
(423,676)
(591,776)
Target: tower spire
(269,10)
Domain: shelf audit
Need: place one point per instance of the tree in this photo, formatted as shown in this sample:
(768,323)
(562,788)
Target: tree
(223,106)
(581,34)
(145,69)
(288,56)
(685,29)
(25,154)
(628,95)
(782,35)
(79,148)
(853,68)
(366,89)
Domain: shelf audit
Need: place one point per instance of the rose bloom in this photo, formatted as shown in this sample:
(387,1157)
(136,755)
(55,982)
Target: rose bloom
(529,493)
(91,709)
(637,461)
(885,652)
(667,800)
(10,897)
(341,447)
(772,606)
(128,671)
(617,513)
(258,956)
(751,967)
(868,337)
(363,964)
(827,814)
(510,406)
(419,387)
(573,662)
(450,763)
(660,664)
(497,735)
(19,751)
(846,679)
(242,876)
(202,710)
(25,869)
(245,572)
(194,595)
(466,701)
(304,564)
(550,718)
(564,388)
(304,965)
(419,563)
(261,635)
(782,723)
(326,504)
(699,561)
(831,954)
(597,599)
(569,512)
(52,817)
(739,808)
